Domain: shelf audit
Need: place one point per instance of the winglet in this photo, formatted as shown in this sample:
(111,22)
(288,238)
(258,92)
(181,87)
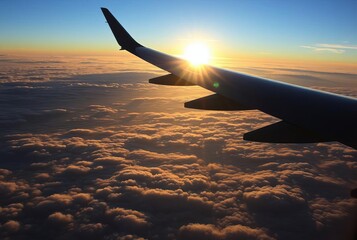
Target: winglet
(121,35)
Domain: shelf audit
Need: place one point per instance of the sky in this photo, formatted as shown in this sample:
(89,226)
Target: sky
(90,150)
(294,30)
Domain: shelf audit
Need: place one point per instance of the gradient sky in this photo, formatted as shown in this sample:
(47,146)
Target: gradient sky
(311,30)
(90,150)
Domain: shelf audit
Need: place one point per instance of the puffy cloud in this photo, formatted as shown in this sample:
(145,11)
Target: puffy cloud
(130,237)
(82,198)
(42,176)
(7,188)
(11,211)
(280,198)
(152,158)
(168,200)
(89,133)
(111,160)
(130,220)
(104,158)
(74,170)
(59,218)
(90,231)
(209,231)
(4,173)
(11,226)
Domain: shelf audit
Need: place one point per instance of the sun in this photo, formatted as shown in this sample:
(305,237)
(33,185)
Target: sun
(197,53)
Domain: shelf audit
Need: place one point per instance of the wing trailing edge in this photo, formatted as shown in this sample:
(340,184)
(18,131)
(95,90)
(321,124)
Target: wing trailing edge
(215,102)
(308,115)
(283,132)
(170,79)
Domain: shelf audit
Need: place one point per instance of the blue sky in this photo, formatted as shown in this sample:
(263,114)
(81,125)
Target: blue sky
(254,26)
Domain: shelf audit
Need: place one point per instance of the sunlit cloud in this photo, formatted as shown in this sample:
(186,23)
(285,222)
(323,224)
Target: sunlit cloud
(108,156)
(333,48)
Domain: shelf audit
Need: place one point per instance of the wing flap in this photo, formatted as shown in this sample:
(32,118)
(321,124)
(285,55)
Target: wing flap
(215,102)
(283,132)
(312,110)
(170,79)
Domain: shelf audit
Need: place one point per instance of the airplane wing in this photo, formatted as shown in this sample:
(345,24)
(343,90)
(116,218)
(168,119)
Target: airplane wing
(307,115)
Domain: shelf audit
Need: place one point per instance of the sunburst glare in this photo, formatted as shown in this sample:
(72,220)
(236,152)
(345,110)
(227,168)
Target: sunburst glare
(197,53)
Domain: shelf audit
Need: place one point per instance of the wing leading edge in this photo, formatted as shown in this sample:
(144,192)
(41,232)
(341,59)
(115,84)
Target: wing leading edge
(307,115)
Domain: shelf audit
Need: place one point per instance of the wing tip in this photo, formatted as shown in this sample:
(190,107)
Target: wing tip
(122,36)
(104,9)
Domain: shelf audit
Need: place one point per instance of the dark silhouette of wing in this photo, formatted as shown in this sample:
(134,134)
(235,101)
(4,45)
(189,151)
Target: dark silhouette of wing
(307,115)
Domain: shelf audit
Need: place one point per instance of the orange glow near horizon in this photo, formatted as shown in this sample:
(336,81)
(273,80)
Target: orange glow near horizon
(198,51)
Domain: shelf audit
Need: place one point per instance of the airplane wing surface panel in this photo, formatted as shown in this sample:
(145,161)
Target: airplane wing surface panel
(283,132)
(330,116)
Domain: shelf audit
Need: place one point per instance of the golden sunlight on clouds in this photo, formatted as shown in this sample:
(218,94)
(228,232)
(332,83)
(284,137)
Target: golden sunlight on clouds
(90,150)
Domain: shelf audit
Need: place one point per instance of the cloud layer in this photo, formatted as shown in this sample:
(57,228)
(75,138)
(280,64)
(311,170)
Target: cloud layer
(334,48)
(108,156)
